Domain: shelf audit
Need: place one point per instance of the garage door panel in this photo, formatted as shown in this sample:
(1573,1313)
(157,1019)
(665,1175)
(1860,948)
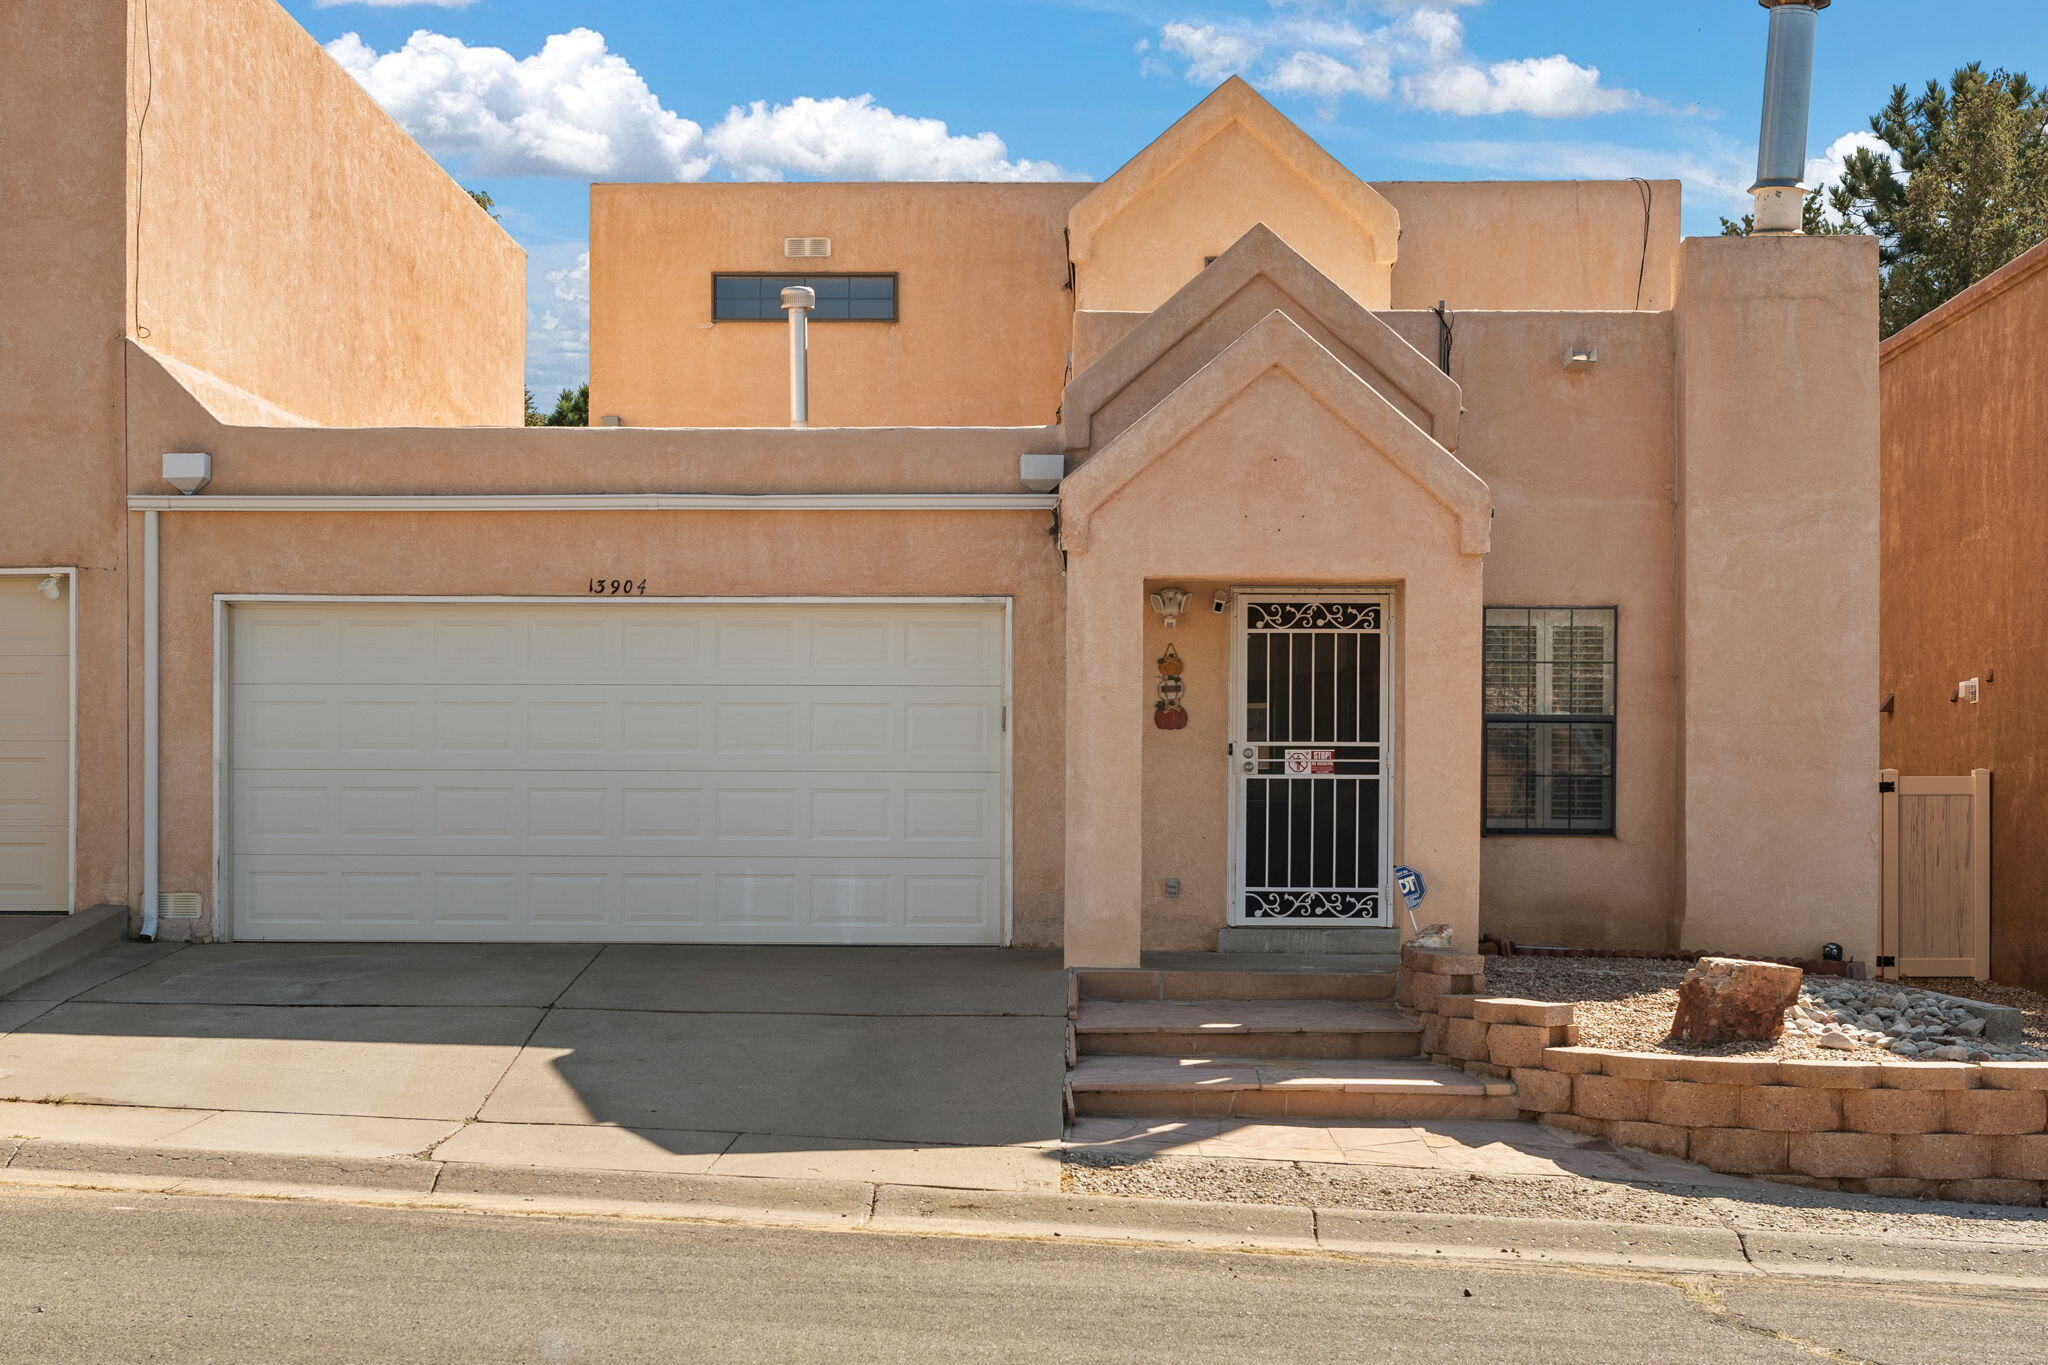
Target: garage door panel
(398,812)
(599,644)
(488,726)
(654,900)
(623,772)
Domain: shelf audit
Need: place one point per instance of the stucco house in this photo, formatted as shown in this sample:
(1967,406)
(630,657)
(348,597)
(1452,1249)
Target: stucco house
(1160,565)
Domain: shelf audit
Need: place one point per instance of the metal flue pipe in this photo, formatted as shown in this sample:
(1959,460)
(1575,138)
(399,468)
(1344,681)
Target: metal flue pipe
(798,301)
(1788,99)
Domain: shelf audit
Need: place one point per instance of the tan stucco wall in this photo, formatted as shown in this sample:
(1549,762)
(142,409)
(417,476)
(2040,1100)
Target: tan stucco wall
(1581,468)
(984,316)
(61,250)
(1965,443)
(1778,507)
(1200,207)
(1490,244)
(292,241)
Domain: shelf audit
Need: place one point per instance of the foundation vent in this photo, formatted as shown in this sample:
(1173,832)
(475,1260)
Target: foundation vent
(798,248)
(178,905)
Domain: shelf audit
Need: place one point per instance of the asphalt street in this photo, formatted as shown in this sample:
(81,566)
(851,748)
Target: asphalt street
(90,1276)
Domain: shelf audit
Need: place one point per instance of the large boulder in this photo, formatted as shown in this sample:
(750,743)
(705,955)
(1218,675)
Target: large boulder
(1730,1000)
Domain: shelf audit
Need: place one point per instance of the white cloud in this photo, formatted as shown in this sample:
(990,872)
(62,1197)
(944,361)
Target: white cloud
(1826,168)
(578,109)
(1546,87)
(558,325)
(1319,48)
(857,139)
(1209,52)
(574,108)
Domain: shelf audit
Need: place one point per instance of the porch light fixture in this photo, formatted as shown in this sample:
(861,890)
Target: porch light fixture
(1170,603)
(1577,358)
(188,471)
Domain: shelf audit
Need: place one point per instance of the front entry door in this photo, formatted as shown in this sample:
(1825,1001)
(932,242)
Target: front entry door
(1310,758)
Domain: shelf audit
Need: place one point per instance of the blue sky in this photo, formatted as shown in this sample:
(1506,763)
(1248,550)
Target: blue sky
(532,101)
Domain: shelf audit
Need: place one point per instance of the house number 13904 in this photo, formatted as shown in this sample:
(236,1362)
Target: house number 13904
(618,587)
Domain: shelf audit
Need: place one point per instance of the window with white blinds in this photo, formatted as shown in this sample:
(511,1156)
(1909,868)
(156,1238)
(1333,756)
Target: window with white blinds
(1549,695)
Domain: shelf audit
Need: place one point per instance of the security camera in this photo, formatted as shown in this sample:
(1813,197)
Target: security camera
(1219,603)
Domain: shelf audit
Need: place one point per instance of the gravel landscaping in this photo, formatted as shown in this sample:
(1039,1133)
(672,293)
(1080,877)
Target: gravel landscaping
(1627,1004)
(1747,1207)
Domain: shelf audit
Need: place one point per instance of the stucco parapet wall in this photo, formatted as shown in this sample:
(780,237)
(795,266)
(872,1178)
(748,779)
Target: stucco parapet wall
(1163,337)
(562,460)
(1993,286)
(1235,104)
(1277,342)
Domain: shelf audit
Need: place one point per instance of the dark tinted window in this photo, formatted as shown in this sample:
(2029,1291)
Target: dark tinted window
(1549,690)
(841,298)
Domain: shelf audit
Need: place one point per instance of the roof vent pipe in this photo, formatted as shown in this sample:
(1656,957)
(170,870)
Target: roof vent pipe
(1788,97)
(798,301)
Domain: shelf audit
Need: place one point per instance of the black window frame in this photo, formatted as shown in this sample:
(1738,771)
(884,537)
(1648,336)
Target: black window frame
(787,278)
(1541,720)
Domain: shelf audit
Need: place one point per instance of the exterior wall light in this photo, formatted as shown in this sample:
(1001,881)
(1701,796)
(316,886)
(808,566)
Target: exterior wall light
(188,471)
(1577,358)
(1170,603)
(51,587)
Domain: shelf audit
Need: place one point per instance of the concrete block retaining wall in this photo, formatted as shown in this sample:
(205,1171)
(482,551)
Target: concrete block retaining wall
(1974,1131)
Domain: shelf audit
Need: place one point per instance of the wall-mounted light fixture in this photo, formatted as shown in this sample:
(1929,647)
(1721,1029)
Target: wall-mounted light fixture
(51,587)
(1578,358)
(188,471)
(1170,603)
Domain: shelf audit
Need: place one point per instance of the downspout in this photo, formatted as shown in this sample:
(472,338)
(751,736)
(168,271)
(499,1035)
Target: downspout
(1781,133)
(150,777)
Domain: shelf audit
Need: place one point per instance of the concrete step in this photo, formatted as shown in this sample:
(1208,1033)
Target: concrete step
(1361,1088)
(1247,1028)
(1212,983)
(1317,939)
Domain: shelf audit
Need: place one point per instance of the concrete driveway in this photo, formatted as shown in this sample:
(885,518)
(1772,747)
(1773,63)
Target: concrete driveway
(701,1052)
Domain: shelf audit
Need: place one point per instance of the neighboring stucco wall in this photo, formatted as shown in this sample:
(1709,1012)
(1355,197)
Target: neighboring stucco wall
(1778,504)
(1532,244)
(61,274)
(1200,208)
(984,317)
(1965,499)
(1581,468)
(293,242)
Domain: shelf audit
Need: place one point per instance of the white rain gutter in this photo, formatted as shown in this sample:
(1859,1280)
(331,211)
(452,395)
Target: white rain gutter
(150,718)
(595,502)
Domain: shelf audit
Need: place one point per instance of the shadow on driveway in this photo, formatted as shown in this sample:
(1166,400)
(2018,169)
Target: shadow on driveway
(882,1045)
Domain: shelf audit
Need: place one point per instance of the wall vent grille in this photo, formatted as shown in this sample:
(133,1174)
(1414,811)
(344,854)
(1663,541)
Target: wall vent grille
(178,905)
(799,248)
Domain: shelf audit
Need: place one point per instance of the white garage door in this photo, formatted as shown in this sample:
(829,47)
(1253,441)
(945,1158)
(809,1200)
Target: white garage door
(35,746)
(632,772)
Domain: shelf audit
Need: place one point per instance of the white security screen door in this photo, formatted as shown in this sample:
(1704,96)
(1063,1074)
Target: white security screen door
(708,772)
(1310,759)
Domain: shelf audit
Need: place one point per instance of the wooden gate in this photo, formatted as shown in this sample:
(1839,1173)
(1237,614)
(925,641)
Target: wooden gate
(1936,875)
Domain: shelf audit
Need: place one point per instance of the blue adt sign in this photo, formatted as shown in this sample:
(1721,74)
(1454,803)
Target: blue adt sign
(1410,882)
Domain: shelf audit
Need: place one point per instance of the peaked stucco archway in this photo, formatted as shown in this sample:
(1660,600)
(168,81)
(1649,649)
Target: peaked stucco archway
(1228,163)
(1260,273)
(1275,464)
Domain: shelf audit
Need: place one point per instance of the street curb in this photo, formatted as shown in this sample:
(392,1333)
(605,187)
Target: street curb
(850,1205)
